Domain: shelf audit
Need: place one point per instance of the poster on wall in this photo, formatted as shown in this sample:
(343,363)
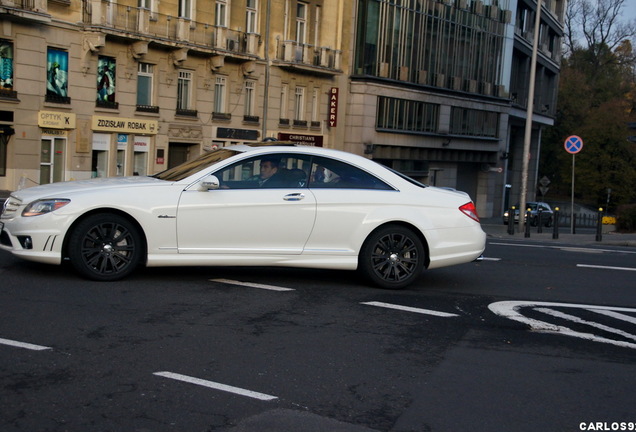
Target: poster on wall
(57,73)
(106,79)
(6,65)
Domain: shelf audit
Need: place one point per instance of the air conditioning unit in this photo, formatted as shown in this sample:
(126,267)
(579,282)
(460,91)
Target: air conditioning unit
(232,44)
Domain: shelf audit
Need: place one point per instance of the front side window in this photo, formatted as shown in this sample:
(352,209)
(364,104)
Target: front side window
(144,84)
(184,90)
(269,171)
(106,73)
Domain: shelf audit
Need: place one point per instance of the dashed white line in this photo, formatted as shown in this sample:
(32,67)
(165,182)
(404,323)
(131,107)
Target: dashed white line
(410,309)
(23,345)
(216,386)
(606,267)
(252,285)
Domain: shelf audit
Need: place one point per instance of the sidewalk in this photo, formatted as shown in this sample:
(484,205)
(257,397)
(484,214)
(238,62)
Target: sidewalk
(494,228)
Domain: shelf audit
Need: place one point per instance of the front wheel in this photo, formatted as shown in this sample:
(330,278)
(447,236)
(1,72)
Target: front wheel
(392,257)
(105,247)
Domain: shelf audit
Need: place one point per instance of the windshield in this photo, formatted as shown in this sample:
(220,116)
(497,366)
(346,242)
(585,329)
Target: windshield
(193,166)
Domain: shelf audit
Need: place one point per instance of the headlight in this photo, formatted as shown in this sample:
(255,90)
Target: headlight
(41,207)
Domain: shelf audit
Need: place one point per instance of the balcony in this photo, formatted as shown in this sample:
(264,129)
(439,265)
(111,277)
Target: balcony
(137,23)
(32,10)
(309,58)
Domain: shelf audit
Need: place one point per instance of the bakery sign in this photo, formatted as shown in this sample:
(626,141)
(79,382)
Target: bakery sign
(333,107)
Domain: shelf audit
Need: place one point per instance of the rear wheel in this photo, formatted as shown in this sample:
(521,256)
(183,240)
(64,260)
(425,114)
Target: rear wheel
(392,257)
(105,247)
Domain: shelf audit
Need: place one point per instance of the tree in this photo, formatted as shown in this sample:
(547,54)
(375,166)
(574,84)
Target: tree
(597,102)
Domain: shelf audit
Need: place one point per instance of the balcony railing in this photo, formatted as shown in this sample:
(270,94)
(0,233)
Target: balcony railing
(145,24)
(308,55)
(39,6)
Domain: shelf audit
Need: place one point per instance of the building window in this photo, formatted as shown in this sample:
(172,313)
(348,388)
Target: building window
(144,85)
(57,76)
(184,91)
(284,118)
(301,23)
(406,115)
(465,121)
(251,16)
(6,69)
(52,160)
(220,18)
(185,9)
(106,89)
(219,94)
(149,5)
(299,104)
(315,108)
(249,98)
(100,155)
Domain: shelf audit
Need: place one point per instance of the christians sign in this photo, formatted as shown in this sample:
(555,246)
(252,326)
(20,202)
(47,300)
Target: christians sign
(333,107)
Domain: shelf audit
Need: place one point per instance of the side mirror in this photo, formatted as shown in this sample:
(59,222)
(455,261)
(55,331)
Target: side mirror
(210,182)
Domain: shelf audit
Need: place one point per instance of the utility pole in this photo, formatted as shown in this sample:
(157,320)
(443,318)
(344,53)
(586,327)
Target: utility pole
(528,131)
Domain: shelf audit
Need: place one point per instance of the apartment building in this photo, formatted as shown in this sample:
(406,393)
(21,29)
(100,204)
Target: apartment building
(439,90)
(436,89)
(97,88)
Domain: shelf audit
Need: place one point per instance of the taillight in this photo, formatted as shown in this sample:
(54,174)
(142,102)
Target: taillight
(469,210)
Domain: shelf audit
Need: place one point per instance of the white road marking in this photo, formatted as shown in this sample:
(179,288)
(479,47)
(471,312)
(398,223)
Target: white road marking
(615,315)
(510,310)
(578,320)
(410,309)
(564,248)
(216,386)
(23,345)
(606,267)
(252,285)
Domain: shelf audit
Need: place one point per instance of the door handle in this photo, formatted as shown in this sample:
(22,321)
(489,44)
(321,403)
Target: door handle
(294,197)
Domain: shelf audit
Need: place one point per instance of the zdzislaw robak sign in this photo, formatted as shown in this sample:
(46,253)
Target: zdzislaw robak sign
(125,125)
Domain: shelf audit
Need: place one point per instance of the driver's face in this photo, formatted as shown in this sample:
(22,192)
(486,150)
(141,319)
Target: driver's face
(268,169)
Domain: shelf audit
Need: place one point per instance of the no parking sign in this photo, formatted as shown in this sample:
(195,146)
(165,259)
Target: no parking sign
(573,144)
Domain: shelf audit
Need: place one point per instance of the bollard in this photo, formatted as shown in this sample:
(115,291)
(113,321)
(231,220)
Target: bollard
(539,220)
(555,221)
(599,225)
(573,222)
(511,220)
(527,225)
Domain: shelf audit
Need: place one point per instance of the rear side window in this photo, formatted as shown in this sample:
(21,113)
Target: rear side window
(330,173)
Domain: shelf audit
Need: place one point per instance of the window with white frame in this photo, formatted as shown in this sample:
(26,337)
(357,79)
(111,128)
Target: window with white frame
(251,16)
(184,90)
(144,84)
(315,97)
(283,101)
(299,104)
(221,9)
(301,23)
(250,87)
(150,5)
(220,88)
(185,9)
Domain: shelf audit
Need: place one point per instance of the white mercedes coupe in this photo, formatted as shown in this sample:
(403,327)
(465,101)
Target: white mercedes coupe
(269,204)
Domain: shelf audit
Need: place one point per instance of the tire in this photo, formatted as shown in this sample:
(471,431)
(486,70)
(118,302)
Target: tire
(105,247)
(392,257)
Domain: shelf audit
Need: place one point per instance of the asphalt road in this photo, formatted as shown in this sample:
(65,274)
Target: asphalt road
(195,349)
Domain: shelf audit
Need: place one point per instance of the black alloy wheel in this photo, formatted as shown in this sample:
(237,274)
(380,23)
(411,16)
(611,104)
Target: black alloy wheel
(105,247)
(392,257)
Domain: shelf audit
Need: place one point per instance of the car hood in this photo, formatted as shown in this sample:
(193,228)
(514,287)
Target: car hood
(62,189)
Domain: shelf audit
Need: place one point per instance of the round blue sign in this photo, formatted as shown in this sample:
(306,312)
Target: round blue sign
(573,144)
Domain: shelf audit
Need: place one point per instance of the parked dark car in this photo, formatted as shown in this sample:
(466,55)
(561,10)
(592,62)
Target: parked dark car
(537,210)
